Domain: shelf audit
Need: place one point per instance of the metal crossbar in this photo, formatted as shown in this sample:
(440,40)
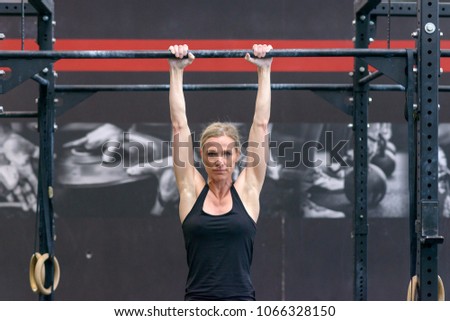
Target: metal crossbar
(159,54)
(212,87)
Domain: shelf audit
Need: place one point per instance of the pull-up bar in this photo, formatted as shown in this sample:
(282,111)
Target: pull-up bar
(163,54)
(213,87)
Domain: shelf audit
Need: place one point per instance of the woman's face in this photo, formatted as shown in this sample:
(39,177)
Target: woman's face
(219,155)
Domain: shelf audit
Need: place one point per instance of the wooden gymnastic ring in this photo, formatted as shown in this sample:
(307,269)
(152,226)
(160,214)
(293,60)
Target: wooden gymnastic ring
(441,290)
(413,285)
(39,274)
(411,295)
(33,261)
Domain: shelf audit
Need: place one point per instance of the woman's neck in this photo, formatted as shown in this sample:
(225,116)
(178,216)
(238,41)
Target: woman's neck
(220,188)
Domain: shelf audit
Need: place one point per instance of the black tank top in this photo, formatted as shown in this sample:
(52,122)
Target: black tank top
(219,252)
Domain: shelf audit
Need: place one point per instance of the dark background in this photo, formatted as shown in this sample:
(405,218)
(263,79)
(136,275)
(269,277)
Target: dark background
(108,245)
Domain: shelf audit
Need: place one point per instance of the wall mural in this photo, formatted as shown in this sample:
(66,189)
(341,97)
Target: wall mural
(115,198)
(310,171)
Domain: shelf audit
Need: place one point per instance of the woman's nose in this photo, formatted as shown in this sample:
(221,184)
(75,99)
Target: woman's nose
(220,161)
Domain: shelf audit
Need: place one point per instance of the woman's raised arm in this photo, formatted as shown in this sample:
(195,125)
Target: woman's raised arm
(252,177)
(188,178)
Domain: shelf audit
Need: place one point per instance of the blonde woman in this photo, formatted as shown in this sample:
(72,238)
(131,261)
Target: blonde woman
(219,215)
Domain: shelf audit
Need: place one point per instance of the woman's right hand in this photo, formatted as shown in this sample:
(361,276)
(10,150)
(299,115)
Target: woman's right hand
(260,52)
(180,51)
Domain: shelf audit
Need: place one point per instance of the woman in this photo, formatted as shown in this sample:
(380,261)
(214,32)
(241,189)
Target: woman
(218,215)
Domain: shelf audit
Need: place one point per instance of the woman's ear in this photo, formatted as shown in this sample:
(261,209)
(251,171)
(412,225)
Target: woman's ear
(239,154)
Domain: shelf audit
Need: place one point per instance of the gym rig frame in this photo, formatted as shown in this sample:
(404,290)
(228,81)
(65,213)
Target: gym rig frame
(416,72)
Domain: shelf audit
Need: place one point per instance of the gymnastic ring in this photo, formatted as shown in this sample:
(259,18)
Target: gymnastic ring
(413,285)
(441,289)
(33,261)
(39,274)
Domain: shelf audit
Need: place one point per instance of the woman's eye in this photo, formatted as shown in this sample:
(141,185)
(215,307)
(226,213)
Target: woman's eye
(212,154)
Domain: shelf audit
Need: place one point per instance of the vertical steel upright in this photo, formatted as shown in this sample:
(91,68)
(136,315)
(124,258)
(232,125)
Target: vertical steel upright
(428,58)
(46,127)
(360,122)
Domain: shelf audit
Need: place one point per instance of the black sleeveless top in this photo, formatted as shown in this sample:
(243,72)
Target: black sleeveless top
(219,252)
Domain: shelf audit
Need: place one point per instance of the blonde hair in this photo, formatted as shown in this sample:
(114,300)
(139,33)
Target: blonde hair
(218,129)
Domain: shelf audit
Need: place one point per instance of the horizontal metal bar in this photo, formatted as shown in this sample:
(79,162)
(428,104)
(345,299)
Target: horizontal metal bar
(405,9)
(19,114)
(197,87)
(206,87)
(15,9)
(141,54)
(158,54)
(386,88)
(203,87)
